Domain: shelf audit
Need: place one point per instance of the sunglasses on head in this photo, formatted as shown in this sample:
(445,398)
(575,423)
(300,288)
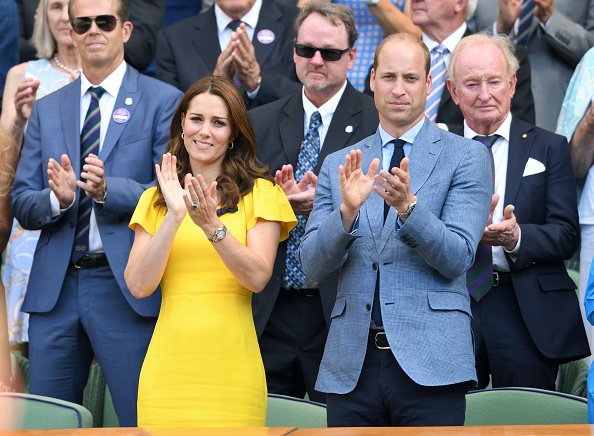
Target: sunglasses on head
(328,54)
(81,25)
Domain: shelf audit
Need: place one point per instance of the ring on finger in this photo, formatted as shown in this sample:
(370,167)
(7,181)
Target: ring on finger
(195,205)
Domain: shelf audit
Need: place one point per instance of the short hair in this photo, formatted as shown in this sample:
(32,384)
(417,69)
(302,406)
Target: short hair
(404,37)
(121,10)
(500,41)
(42,38)
(337,14)
(240,167)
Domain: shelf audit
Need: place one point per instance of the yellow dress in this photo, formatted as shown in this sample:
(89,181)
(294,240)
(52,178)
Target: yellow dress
(203,366)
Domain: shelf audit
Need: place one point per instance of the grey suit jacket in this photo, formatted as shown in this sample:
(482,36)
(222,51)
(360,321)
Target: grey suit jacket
(423,296)
(553,54)
(279,133)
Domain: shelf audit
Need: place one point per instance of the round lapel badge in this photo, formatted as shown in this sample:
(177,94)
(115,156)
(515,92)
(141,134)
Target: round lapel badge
(265,36)
(121,115)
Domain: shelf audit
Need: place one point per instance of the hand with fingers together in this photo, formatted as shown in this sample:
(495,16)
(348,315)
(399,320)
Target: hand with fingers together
(201,202)
(301,194)
(355,186)
(24,97)
(93,172)
(247,67)
(62,180)
(394,187)
(168,180)
(506,233)
(225,65)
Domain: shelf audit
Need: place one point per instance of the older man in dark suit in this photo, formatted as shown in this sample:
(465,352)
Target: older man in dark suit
(248,41)
(291,314)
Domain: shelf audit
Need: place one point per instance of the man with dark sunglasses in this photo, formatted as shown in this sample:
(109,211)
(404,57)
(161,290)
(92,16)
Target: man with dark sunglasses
(292,313)
(89,153)
(248,41)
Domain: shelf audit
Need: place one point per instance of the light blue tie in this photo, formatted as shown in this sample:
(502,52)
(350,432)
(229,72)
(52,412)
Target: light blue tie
(306,161)
(526,19)
(438,76)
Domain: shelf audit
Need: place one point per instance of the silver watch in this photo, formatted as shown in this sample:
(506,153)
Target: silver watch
(405,215)
(219,234)
(371,2)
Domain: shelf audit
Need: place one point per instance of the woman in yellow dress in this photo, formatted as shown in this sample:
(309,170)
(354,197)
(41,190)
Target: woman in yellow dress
(208,234)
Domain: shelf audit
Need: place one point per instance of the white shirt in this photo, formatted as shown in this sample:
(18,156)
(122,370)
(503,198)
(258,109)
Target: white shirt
(326,112)
(112,85)
(500,151)
(250,19)
(450,42)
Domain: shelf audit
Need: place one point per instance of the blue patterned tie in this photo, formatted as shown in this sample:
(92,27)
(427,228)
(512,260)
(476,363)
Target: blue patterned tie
(479,278)
(306,161)
(526,19)
(438,75)
(89,143)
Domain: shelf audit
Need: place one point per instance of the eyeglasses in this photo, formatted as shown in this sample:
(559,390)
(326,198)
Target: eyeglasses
(81,25)
(328,54)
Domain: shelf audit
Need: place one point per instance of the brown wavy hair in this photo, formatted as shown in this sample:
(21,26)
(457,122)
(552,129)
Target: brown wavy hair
(240,167)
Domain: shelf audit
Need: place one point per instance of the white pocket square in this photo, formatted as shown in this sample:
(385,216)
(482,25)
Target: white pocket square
(533,166)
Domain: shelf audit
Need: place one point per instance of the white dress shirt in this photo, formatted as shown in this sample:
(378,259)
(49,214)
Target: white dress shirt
(326,112)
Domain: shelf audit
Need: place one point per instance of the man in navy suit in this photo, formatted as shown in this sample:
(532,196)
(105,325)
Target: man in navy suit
(399,350)
(79,185)
(291,320)
(249,41)
(526,314)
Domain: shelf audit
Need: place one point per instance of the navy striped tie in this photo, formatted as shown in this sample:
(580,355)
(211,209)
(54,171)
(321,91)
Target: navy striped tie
(526,19)
(89,143)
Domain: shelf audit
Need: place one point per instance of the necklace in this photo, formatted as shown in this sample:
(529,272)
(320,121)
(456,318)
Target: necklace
(64,67)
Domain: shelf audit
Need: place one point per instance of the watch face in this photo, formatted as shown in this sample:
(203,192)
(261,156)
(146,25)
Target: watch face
(219,234)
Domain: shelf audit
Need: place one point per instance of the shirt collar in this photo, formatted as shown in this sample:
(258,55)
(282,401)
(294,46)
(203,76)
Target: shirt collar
(450,42)
(327,109)
(503,130)
(409,136)
(250,19)
(111,83)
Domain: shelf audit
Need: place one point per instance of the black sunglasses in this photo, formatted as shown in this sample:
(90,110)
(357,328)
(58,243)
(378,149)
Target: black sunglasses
(81,25)
(328,54)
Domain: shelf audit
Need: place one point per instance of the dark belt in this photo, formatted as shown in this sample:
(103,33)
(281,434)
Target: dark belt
(91,260)
(501,278)
(378,339)
(304,292)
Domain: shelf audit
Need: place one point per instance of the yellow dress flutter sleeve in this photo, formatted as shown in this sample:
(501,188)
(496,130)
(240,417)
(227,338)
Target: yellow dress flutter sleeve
(267,201)
(145,214)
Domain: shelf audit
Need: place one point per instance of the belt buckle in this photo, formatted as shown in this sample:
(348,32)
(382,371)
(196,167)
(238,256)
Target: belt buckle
(375,340)
(496,280)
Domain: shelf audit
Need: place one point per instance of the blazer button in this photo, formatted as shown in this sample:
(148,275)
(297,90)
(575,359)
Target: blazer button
(374,266)
(368,307)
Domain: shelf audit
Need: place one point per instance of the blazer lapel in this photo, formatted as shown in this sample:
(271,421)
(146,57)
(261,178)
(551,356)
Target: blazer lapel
(373,208)
(69,108)
(206,47)
(126,100)
(520,143)
(291,128)
(423,156)
(269,20)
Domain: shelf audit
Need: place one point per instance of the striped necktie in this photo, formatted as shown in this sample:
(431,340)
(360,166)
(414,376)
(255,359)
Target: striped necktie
(438,75)
(306,161)
(89,143)
(526,19)
(479,278)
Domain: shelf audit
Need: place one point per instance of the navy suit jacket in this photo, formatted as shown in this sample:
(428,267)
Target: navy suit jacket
(189,49)
(279,133)
(129,152)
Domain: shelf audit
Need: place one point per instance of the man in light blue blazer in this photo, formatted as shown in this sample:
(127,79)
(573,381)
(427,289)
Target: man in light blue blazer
(399,350)
(76,296)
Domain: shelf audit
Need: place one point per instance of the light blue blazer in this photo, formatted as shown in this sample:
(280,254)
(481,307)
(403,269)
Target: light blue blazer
(423,296)
(130,151)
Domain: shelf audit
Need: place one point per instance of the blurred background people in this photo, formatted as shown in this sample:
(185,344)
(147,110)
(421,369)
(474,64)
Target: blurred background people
(557,33)
(576,123)
(58,65)
(248,41)
(8,47)
(208,233)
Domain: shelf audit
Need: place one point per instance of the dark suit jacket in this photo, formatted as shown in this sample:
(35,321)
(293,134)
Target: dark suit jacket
(279,131)
(189,49)
(546,210)
(522,105)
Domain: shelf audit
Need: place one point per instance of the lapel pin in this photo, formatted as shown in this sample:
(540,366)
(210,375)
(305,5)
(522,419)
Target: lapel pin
(524,136)
(121,115)
(128,101)
(265,36)
(348,129)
